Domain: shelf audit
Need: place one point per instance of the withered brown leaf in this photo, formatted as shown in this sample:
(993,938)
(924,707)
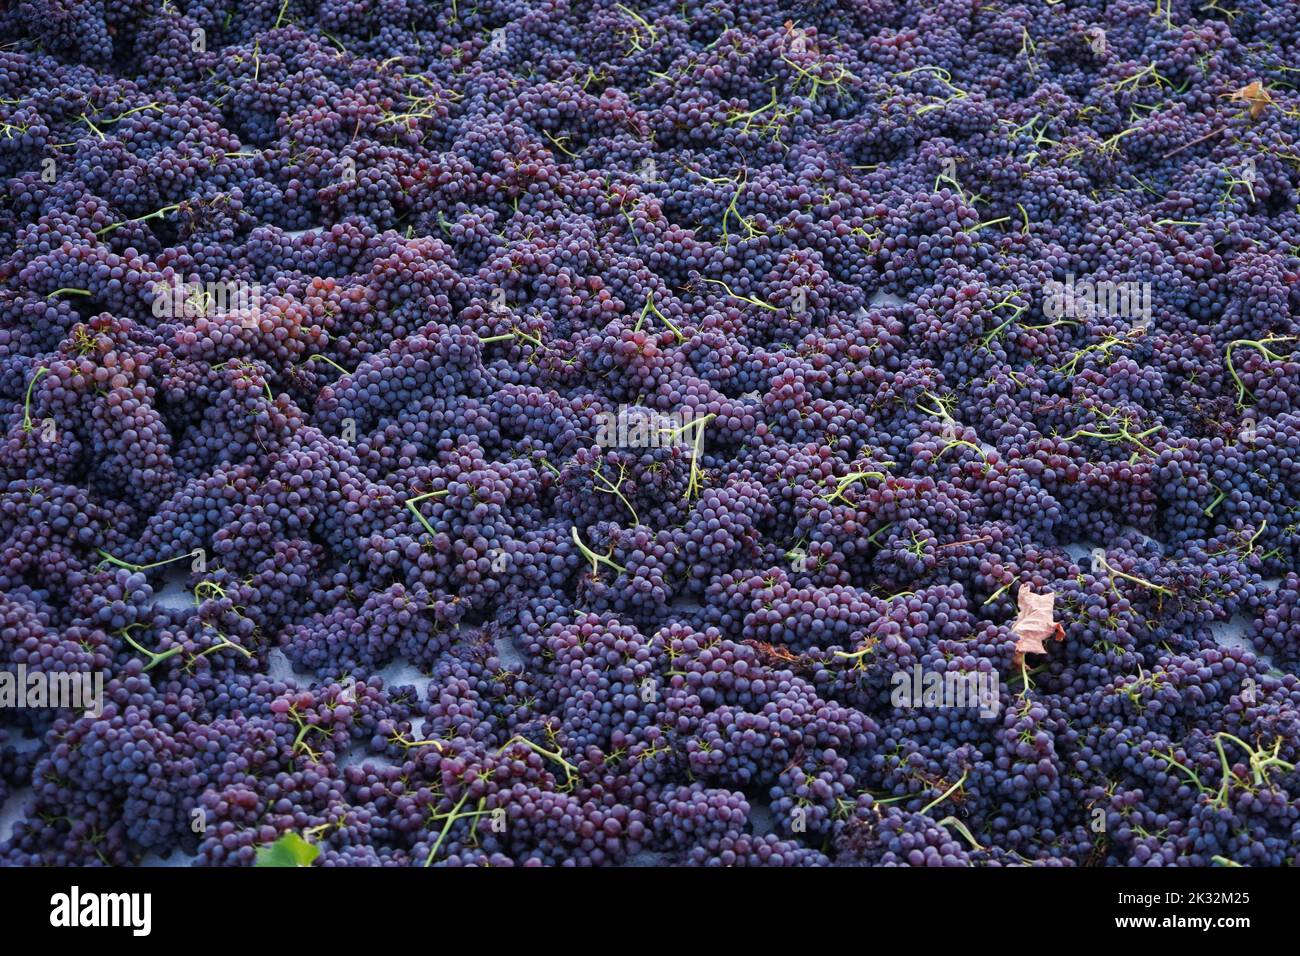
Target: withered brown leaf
(1254,94)
(1035,623)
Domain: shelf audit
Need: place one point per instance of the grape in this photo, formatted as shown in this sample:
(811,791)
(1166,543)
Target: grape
(512,434)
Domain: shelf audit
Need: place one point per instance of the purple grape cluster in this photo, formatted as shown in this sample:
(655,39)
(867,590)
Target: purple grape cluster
(507,434)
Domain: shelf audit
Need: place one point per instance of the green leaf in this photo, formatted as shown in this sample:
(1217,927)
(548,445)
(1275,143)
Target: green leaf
(289,850)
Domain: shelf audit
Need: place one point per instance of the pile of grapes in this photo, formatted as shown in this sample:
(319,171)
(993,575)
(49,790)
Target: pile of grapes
(493,432)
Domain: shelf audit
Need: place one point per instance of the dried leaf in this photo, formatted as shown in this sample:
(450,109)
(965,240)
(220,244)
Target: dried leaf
(1254,94)
(781,657)
(1035,623)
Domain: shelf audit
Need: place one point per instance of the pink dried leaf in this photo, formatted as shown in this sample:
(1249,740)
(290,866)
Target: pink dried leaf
(1035,623)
